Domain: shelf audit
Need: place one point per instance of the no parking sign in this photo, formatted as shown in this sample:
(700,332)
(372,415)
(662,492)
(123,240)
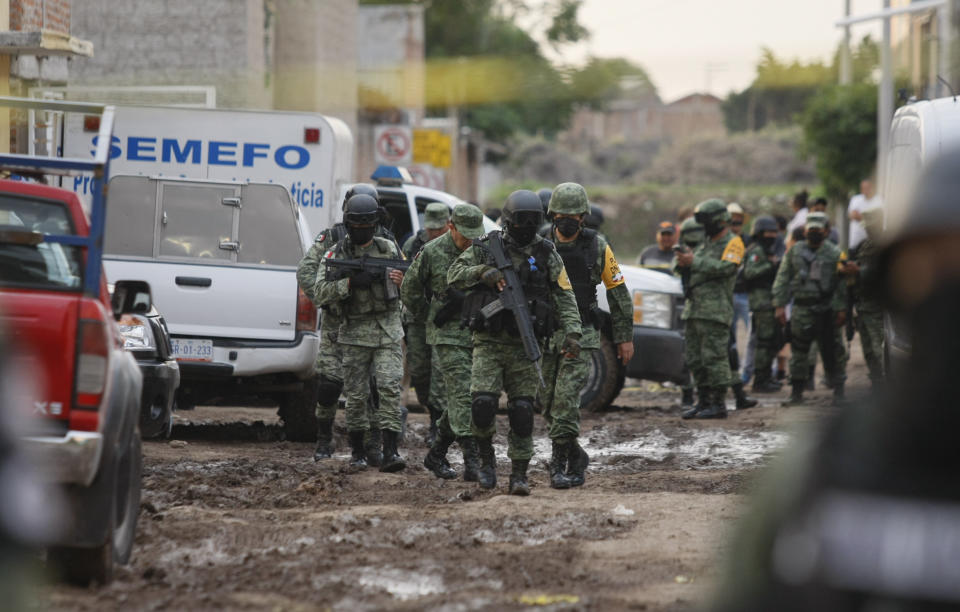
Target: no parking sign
(393,144)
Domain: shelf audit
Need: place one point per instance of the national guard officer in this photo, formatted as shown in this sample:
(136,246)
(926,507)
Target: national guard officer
(435,217)
(425,289)
(691,237)
(499,359)
(708,311)
(330,357)
(869,320)
(370,330)
(759,271)
(588,260)
(810,275)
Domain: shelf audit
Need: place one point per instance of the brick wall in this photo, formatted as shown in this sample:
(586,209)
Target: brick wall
(31,15)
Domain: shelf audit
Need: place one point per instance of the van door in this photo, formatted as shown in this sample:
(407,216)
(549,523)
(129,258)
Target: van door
(221,257)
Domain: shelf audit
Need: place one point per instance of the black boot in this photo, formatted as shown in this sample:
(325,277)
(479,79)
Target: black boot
(392,461)
(487,476)
(558,464)
(436,459)
(374,443)
(743,402)
(471,458)
(764,384)
(577,465)
(796,396)
(518,478)
(702,393)
(324,448)
(358,456)
(810,386)
(686,402)
(432,434)
(716,407)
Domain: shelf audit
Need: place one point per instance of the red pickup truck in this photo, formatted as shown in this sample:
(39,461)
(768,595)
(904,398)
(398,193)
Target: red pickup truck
(60,328)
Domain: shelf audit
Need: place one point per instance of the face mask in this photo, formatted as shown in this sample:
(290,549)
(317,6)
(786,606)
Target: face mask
(522,236)
(712,228)
(567,226)
(767,242)
(692,244)
(814,237)
(360,235)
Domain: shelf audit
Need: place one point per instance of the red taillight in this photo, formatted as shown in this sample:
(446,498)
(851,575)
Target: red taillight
(92,358)
(306,312)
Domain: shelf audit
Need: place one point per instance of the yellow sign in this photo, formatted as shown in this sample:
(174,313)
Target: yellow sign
(431,147)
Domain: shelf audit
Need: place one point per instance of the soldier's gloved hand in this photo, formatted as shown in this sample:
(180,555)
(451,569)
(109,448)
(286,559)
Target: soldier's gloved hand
(363,279)
(491,277)
(571,346)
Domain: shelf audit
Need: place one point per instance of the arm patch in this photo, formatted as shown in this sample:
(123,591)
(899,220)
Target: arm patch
(611,275)
(564,281)
(734,251)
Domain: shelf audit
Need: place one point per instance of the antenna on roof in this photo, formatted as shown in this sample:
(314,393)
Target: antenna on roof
(949,86)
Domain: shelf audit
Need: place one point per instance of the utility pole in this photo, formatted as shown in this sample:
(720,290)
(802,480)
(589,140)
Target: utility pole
(885,100)
(846,61)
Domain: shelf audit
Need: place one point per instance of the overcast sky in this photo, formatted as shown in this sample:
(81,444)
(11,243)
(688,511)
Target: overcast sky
(693,45)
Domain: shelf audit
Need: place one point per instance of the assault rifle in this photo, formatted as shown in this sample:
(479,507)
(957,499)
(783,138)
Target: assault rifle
(513,299)
(343,268)
(684,272)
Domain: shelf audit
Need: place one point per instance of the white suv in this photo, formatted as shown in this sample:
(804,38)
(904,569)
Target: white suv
(221,258)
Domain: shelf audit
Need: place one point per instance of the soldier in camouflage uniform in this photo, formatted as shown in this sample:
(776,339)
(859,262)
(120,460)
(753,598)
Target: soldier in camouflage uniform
(330,357)
(425,290)
(499,360)
(863,260)
(435,217)
(370,331)
(588,260)
(810,275)
(691,237)
(759,271)
(708,311)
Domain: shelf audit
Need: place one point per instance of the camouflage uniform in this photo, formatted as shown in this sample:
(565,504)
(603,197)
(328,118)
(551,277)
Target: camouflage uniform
(758,274)
(869,311)
(811,278)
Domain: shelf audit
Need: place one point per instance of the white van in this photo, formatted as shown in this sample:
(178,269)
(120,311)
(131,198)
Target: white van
(920,132)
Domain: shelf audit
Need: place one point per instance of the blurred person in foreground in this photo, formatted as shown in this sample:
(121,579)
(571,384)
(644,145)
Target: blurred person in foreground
(863,513)
(659,256)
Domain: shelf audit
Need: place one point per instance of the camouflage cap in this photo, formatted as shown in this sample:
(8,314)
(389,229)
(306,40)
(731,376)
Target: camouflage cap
(468,219)
(817,220)
(436,215)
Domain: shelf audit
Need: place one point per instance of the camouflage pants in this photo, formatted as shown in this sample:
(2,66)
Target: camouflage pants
(560,399)
(504,367)
(765,326)
(870,328)
(706,350)
(386,365)
(453,365)
(807,326)
(329,364)
(418,361)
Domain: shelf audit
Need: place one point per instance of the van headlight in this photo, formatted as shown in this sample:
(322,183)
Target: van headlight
(652,309)
(137,333)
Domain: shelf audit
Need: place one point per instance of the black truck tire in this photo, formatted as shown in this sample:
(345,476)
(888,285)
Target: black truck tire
(298,411)
(605,378)
(157,418)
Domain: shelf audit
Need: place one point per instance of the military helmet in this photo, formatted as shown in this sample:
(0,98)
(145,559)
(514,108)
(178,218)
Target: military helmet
(817,219)
(691,229)
(594,218)
(361,209)
(359,188)
(765,223)
(544,195)
(569,199)
(711,211)
(522,209)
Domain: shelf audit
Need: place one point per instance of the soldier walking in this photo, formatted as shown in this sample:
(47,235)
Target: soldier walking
(370,330)
(810,275)
(708,311)
(500,361)
(588,260)
(425,290)
(759,271)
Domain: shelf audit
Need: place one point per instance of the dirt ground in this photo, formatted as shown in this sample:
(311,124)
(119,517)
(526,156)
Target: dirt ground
(234,518)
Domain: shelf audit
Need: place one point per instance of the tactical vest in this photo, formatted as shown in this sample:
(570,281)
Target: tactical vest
(816,279)
(580,260)
(368,301)
(418,242)
(534,276)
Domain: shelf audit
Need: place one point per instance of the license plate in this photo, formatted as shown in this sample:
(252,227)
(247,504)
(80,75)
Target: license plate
(189,349)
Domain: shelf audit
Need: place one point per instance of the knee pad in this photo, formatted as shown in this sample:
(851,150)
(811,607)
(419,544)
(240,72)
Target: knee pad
(520,412)
(328,390)
(483,409)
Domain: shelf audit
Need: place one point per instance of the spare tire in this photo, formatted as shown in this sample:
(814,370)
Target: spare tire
(605,378)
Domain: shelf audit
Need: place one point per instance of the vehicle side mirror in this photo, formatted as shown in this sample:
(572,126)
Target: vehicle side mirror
(131,297)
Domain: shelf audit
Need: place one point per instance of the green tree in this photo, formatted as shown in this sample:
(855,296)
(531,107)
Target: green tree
(840,132)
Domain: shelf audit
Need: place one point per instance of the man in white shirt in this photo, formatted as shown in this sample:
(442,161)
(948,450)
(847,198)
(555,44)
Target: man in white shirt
(800,210)
(866,200)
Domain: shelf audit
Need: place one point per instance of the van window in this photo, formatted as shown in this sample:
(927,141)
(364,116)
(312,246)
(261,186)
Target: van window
(131,215)
(268,227)
(396,205)
(25,261)
(194,221)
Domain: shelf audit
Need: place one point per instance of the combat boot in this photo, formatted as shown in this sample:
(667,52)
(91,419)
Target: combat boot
(324,448)
(715,407)
(518,478)
(358,456)
(838,394)
(765,384)
(436,459)
(702,393)
(577,464)
(392,461)
(810,386)
(471,458)
(558,463)
(743,402)
(374,443)
(686,402)
(434,418)
(796,396)
(487,475)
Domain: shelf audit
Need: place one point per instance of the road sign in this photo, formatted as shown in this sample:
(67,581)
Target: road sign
(431,147)
(428,176)
(393,144)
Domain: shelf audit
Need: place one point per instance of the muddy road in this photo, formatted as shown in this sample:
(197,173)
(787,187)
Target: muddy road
(234,518)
